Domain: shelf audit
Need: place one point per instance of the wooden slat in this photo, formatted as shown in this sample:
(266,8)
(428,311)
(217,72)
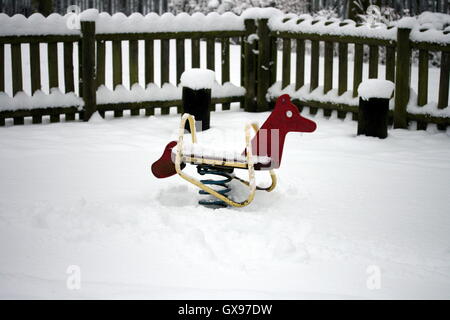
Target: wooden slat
(300,64)
(168,35)
(210,54)
(68,67)
(117,69)
(314,75)
(52,50)
(225,44)
(286,74)
(328,67)
(133,49)
(263,65)
(444,80)
(390,63)
(101,57)
(165,67)
(422,92)
(35,67)
(343,68)
(250,68)
(88,74)
(117,62)
(39,39)
(195,47)
(333,38)
(2,69)
(149,61)
(357,68)
(274,58)
(402,78)
(16,58)
(180,47)
(373,62)
(328,72)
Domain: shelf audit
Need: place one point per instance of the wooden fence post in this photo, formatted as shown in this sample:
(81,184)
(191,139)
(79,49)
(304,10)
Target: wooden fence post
(88,79)
(250,47)
(402,78)
(263,75)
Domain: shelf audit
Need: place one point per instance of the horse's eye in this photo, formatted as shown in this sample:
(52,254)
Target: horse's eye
(289,114)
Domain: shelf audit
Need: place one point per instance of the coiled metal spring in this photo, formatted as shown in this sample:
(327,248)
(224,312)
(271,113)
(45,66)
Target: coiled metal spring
(226,173)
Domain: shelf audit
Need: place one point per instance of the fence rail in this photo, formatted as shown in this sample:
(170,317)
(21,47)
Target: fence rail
(84,64)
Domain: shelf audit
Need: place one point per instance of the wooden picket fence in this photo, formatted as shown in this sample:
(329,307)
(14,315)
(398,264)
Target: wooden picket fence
(258,69)
(262,70)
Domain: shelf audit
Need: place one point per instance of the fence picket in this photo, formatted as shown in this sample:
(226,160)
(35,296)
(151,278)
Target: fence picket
(101,55)
(68,67)
(373,62)
(390,63)
(165,62)
(16,66)
(35,67)
(133,57)
(210,54)
(52,50)
(180,48)
(263,72)
(357,67)
(250,67)
(195,48)
(117,69)
(133,54)
(225,43)
(149,63)
(300,64)
(444,81)
(286,75)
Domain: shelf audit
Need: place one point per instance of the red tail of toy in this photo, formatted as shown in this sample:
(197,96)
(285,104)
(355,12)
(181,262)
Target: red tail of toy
(285,117)
(164,166)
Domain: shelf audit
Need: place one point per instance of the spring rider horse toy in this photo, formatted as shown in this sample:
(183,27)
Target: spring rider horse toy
(263,152)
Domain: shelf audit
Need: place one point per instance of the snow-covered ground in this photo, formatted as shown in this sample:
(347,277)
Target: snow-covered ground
(345,208)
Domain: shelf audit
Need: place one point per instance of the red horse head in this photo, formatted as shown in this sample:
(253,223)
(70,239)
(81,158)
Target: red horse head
(269,140)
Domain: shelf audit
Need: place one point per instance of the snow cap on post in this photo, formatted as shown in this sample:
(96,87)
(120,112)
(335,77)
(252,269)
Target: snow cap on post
(260,13)
(89,15)
(376,88)
(407,23)
(197,78)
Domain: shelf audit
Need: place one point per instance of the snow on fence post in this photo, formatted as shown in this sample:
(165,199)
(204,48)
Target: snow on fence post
(197,84)
(263,65)
(402,77)
(250,47)
(88,81)
(374,96)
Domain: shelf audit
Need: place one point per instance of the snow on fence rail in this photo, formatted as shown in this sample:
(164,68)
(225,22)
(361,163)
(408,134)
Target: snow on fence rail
(258,30)
(398,41)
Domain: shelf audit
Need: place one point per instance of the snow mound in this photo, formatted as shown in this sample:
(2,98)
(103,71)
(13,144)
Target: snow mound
(376,88)
(96,118)
(261,13)
(89,15)
(154,93)
(198,79)
(22,101)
